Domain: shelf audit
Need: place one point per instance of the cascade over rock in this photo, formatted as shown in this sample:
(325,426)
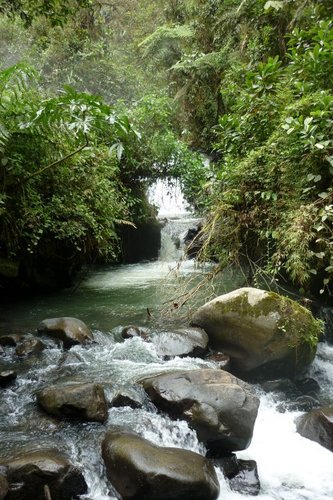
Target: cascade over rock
(261,331)
(141,470)
(220,407)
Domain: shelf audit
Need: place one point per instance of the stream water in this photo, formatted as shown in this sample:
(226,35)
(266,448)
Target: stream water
(290,467)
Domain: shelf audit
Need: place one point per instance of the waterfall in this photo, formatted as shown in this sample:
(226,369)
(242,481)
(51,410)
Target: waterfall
(176,217)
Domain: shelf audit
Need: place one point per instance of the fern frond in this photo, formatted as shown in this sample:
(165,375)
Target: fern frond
(164,37)
(4,136)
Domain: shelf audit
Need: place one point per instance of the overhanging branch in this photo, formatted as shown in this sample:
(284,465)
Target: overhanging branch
(53,164)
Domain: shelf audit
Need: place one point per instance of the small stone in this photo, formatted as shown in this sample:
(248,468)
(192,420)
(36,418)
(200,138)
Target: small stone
(129,332)
(7,377)
(29,346)
(246,481)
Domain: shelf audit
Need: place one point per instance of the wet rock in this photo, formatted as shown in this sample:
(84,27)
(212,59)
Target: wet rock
(326,314)
(285,387)
(10,340)
(133,397)
(36,473)
(70,331)
(3,487)
(242,475)
(131,331)
(79,401)
(220,407)
(228,464)
(183,342)
(29,346)
(302,403)
(7,377)
(246,481)
(221,360)
(2,351)
(317,425)
(140,470)
(308,386)
(193,241)
(262,332)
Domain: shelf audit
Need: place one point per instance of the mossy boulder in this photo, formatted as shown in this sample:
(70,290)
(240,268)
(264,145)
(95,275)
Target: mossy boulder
(262,332)
(141,470)
(220,407)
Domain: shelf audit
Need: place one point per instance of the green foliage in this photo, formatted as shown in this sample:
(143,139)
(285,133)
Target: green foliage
(57,11)
(276,167)
(165,45)
(59,169)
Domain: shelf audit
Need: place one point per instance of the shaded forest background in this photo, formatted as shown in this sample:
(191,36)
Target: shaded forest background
(99,99)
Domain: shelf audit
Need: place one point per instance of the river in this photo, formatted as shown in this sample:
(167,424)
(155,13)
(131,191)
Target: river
(290,467)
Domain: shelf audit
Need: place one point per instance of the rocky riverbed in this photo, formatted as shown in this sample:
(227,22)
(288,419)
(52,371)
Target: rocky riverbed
(80,409)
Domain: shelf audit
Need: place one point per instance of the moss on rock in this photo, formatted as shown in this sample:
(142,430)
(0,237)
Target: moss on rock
(257,328)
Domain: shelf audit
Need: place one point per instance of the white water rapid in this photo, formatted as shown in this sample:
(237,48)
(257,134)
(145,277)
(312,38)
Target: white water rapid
(290,467)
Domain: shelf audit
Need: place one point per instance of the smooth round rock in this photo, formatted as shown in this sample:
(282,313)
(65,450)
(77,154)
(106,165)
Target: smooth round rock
(31,474)
(131,331)
(141,470)
(221,408)
(70,331)
(79,401)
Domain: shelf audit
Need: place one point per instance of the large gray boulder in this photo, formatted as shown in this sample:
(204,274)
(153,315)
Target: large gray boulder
(38,473)
(261,331)
(140,470)
(317,425)
(72,400)
(220,407)
(70,331)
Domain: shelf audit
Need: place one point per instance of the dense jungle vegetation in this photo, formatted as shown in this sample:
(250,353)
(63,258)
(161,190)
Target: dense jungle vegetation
(98,99)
